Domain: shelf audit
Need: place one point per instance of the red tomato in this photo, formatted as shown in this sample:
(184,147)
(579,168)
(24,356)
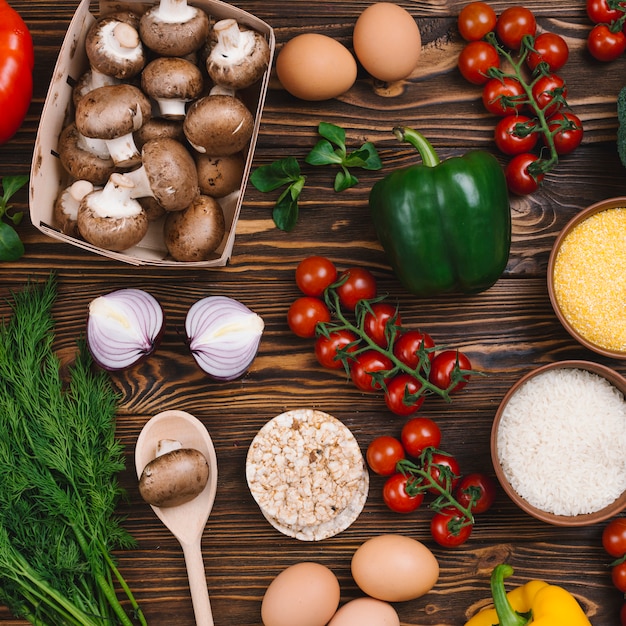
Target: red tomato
(503,96)
(475,491)
(397,388)
(443,368)
(360,284)
(570,135)
(614,537)
(549,93)
(515,134)
(618,576)
(599,12)
(410,345)
(418,434)
(378,324)
(475,60)
(605,44)
(314,274)
(304,314)
(327,348)
(444,470)
(398,496)
(518,179)
(475,20)
(383,453)
(513,24)
(449,528)
(549,48)
(362,367)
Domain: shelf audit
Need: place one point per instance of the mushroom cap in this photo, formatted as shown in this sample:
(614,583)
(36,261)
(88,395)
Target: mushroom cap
(157,127)
(65,210)
(195,233)
(218,176)
(174,39)
(172,173)
(112,111)
(218,125)
(172,78)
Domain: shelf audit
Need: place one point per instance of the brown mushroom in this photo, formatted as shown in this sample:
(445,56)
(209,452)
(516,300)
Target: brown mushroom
(168,173)
(65,211)
(172,82)
(174,28)
(195,233)
(110,218)
(113,113)
(220,175)
(83,157)
(159,127)
(218,124)
(89,81)
(239,56)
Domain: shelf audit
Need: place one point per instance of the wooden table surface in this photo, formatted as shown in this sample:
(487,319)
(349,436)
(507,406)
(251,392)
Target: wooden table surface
(507,331)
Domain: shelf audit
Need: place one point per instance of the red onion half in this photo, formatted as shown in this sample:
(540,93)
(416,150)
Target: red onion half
(223,336)
(124,326)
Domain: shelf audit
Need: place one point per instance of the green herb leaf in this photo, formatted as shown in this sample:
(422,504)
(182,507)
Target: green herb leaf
(286,210)
(323,153)
(11,246)
(344,180)
(270,177)
(334,134)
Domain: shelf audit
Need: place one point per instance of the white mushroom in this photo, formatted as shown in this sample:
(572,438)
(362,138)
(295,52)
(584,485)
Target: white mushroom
(65,211)
(113,113)
(110,218)
(239,56)
(220,175)
(172,82)
(174,28)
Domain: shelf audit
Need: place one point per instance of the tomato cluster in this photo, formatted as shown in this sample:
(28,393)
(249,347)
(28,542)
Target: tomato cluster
(614,544)
(607,39)
(355,329)
(534,114)
(415,467)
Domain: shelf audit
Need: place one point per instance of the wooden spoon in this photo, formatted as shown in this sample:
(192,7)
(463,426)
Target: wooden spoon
(185,521)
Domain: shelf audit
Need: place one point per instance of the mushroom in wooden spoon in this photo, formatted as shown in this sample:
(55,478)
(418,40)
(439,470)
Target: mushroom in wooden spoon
(185,521)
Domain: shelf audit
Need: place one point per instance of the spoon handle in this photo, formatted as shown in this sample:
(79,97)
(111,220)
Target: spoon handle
(197,583)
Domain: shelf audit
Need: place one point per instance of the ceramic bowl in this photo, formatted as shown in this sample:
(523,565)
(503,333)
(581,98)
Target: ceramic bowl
(571,327)
(585,519)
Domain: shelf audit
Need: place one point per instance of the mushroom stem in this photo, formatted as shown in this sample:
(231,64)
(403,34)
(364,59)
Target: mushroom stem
(98,147)
(123,149)
(175,11)
(232,43)
(141,187)
(114,200)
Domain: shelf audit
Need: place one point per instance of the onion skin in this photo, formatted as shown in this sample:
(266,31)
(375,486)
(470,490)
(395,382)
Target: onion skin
(223,336)
(123,328)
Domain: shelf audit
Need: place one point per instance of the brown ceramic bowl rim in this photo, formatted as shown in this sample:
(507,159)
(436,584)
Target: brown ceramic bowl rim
(598,207)
(584,519)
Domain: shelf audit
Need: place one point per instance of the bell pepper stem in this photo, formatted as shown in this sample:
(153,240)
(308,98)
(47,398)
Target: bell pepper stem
(429,157)
(507,616)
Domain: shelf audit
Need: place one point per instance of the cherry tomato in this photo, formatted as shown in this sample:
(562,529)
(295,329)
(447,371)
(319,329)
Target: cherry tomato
(408,344)
(327,348)
(449,528)
(614,537)
(419,433)
(549,92)
(518,179)
(383,453)
(442,468)
(618,576)
(443,368)
(359,285)
(549,48)
(475,60)
(568,138)
(314,274)
(397,494)
(475,20)
(397,388)
(503,96)
(376,323)
(362,367)
(605,44)
(476,490)
(599,12)
(515,134)
(304,314)
(513,24)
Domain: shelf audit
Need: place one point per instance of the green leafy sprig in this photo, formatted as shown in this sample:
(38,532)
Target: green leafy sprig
(11,246)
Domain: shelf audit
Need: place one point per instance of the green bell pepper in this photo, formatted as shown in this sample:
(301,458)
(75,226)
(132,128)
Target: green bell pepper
(445,226)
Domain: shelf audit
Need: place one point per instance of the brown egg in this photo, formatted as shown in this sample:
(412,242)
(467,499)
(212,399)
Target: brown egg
(315,67)
(394,568)
(365,611)
(387,41)
(304,594)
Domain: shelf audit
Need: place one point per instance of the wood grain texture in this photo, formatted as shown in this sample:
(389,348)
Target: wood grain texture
(506,331)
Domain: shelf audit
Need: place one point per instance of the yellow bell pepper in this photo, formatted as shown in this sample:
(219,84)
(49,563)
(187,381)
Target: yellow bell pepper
(536,603)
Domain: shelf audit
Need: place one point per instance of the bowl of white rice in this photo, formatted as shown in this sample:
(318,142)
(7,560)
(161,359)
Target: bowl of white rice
(558,443)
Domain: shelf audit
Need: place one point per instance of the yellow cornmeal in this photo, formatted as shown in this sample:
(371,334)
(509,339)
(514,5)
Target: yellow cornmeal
(590,279)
